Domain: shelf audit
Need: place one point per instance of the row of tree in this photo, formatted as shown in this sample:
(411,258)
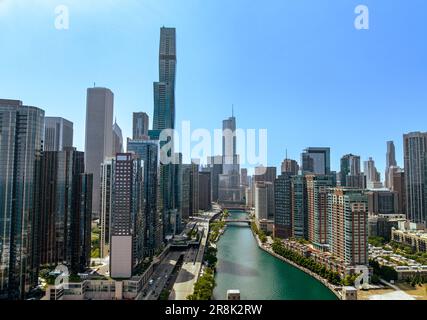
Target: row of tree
(203,289)
(261,234)
(308,263)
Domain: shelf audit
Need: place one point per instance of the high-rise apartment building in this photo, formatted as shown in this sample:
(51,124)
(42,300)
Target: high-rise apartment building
(316,160)
(348,214)
(82,223)
(127,221)
(98,136)
(397,182)
(140,126)
(415,157)
(204,192)
(283,206)
(261,201)
(148,153)
(318,187)
(299,207)
(194,188)
(186,196)
(106,206)
(21,146)
(58,134)
(64,219)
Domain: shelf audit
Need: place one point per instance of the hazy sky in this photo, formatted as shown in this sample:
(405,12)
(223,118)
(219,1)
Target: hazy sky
(296,67)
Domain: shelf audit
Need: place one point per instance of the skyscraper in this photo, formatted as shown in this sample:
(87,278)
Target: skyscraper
(316,160)
(317,207)
(164,119)
(230,190)
(290,166)
(415,148)
(117,139)
(106,207)
(268,174)
(148,153)
(194,187)
(127,229)
(373,178)
(99,136)
(82,223)
(390,162)
(215,166)
(61,209)
(261,201)
(283,206)
(164,90)
(348,214)
(398,185)
(21,143)
(244,177)
(185,195)
(350,175)
(299,207)
(205,202)
(58,134)
(140,126)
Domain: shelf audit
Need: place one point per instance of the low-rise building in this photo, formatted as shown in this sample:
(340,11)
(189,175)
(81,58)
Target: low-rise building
(417,239)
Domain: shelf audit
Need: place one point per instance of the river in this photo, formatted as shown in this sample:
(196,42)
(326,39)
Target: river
(257,274)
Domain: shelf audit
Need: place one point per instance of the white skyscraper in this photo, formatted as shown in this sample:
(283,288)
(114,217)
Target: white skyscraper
(99,136)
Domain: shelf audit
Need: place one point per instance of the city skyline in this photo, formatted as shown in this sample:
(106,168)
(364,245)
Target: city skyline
(160,203)
(378,84)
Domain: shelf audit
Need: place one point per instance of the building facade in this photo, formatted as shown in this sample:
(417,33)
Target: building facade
(348,214)
(316,160)
(318,187)
(21,146)
(415,158)
(58,134)
(99,136)
(140,126)
(283,206)
(127,221)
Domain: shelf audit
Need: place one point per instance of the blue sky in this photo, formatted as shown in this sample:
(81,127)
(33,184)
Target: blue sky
(296,67)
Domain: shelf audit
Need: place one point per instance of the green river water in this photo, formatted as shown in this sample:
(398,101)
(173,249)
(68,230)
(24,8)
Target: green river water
(257,274)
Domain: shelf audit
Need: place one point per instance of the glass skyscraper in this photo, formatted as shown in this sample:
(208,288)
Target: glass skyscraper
(415,156)
(65,219)
(164,119)
(148,153)
(21,145)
